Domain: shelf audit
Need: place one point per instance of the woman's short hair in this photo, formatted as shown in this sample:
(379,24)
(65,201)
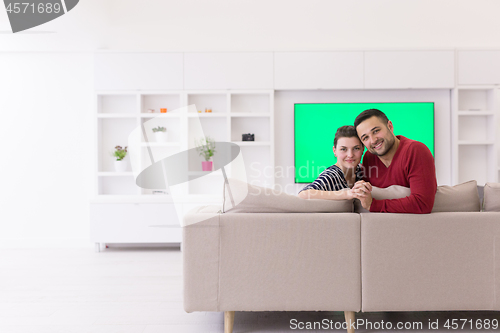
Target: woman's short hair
(344,132)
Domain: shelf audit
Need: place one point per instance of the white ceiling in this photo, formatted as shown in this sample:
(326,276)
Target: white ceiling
(263,25)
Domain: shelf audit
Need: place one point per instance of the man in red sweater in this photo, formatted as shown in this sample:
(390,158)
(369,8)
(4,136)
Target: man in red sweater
(394,160)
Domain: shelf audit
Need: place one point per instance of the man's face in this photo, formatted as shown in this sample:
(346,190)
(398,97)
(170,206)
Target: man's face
(376,136)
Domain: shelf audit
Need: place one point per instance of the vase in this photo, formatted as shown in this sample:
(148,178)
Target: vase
(120,166)
(206,165)
(161,136)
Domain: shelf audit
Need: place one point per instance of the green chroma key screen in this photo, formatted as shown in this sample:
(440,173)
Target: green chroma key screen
(316,124)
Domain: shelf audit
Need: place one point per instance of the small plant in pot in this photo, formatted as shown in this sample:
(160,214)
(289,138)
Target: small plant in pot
(160,134)
(206,149)
(120,163)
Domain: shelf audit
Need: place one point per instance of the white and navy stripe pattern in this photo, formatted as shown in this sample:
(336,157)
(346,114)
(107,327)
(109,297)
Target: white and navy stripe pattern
(332,179)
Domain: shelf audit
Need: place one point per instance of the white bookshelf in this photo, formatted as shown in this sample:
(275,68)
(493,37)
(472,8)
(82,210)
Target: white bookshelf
(474,141)
(119,113)
(233,113)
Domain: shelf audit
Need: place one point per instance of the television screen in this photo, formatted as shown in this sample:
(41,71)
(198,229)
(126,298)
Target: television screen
(316,124)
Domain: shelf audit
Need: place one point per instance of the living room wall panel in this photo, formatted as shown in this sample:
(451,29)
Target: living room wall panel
(218,70)
(284,128)
(138,71)
(478,67)
(318,70)
(409,69)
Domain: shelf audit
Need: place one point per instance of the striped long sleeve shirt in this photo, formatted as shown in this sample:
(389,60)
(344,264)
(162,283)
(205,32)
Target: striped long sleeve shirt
(332,179)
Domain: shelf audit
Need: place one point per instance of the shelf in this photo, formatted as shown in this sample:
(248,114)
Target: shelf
(116,115)
(160,115)
(207,115)
(250,92)
(203,173)
(252,143)
(249,114)
(476,113)
(160,144)
(478,87)
(114,174)
(476,143)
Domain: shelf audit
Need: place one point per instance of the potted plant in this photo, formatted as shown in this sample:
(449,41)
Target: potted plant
(120,164)
(160,134)
(206,149)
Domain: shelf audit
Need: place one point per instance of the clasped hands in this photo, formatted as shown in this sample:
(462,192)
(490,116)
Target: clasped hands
(362,191)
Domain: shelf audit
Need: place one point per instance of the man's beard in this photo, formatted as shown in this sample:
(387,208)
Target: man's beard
(388,145)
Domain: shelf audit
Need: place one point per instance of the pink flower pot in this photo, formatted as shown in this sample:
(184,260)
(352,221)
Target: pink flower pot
(206,166)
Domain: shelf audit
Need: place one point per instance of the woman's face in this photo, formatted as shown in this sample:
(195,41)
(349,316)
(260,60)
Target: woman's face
(348,152)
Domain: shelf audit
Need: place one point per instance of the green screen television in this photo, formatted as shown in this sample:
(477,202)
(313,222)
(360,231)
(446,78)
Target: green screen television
(315,125)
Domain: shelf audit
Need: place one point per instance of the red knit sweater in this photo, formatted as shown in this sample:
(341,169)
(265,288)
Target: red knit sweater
(412,166)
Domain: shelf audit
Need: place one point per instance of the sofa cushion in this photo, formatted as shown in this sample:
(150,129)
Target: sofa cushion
(491,202)
(255,199)
(459,198)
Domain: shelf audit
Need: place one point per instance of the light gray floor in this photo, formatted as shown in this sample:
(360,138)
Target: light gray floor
(135,290)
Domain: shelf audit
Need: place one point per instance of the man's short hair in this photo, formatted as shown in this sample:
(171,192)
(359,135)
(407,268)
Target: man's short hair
(368,114)
(344,132)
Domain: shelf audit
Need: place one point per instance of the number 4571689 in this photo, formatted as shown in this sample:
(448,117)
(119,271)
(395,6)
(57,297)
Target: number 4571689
(27,7)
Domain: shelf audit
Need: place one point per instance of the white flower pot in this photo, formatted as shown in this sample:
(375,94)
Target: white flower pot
(161,136)
(121,166)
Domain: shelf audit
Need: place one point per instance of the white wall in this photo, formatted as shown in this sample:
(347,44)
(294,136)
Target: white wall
(264,25)
(45,98)
(46,145)
(283,120)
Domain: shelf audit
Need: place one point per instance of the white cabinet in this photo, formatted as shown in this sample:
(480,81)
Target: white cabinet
(138,71)
(134,223)
(409,69)
(478,67)
(318,70)
(250,70)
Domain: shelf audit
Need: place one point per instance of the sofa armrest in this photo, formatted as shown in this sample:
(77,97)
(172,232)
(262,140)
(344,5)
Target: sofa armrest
(200,255)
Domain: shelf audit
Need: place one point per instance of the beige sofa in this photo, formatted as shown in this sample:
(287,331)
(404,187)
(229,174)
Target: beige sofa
(257,257)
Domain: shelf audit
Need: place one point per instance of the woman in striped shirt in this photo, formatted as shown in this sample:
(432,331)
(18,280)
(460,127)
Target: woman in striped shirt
(336,182)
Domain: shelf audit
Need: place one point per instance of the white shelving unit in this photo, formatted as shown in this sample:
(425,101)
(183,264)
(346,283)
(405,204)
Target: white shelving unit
(120,113)
(474,140)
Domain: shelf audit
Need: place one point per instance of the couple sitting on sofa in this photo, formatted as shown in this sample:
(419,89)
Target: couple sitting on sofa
(389,160)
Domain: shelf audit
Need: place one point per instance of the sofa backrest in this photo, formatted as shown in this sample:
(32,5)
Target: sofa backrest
(255,199)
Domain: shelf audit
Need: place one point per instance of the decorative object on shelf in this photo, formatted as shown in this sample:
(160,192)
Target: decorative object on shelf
(159,192)
(206,149)
(248,137)
(151,111)
(120,164)
(163,110)
(160,134)
(208,110)
(199,111)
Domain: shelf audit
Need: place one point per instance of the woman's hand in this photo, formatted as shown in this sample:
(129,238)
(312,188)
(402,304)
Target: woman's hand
(350,194)
(362,187)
